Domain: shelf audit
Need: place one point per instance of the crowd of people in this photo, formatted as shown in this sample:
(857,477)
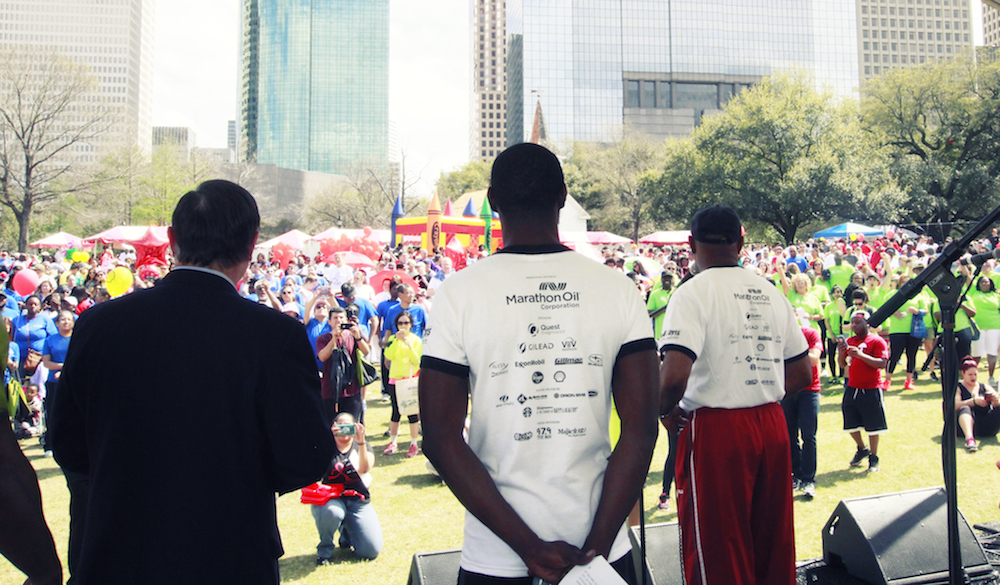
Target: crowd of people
(353,322)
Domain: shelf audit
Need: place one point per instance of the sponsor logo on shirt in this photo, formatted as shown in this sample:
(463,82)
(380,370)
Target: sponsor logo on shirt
(760,347)
(526,412)
(569,343)
(537,377)
(767,382)
(544,410)
(733,338)
(522,398)
(568,361)
(532,330)
(498,369)
(543,329)
(522,436)
(559,300)
(575,432)
(561,395)
(672,333)
(751,382)
(504,401)
(763,338)
(559,376)
(544,433)
(591,393)
(595,359)
(537,362)
(523,347)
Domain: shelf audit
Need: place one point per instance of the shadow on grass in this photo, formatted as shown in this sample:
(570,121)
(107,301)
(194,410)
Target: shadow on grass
(418,480)
(839,476)
(919,395)
(301,566)
(48,472)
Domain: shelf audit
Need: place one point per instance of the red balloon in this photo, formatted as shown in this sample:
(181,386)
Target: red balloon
(25,282)
(368,231)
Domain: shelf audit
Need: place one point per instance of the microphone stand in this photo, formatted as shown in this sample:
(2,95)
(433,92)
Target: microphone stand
(942,282)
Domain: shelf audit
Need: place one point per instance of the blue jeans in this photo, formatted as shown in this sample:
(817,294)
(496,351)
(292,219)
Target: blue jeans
(801,413)
(358,525)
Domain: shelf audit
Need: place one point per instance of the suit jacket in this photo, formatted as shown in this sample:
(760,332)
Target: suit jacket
(187,408)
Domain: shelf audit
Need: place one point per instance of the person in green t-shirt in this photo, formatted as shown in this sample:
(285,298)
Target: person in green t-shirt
(657,302)
(985,299)
(840,272)
(834,327)
(900,340)
(807,308)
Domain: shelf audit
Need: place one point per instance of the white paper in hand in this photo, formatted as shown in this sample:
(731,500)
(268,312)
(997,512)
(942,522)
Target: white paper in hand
(596,572)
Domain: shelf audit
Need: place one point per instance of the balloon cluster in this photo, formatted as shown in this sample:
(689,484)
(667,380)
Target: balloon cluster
(362,245)
(74,255)
(857,237)
(283,253)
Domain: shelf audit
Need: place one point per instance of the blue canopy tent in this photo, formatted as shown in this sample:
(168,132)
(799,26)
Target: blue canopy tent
(845,230)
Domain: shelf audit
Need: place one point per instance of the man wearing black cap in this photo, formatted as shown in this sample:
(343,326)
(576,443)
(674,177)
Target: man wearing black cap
(732,349)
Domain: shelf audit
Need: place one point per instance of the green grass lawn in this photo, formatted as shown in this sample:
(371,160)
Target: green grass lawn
(418,513)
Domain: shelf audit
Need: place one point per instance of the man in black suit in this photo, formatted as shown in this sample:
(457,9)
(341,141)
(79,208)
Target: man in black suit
(182,410)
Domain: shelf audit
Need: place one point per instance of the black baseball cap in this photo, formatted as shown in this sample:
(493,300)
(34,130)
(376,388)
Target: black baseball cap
(718,224)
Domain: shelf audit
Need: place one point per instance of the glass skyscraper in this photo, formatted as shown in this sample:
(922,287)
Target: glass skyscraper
(591,66)
(315,83)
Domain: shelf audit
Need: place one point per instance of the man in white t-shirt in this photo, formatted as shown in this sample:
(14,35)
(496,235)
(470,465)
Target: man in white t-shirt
(447,269)
(542,339)
(339,273)
(731,348)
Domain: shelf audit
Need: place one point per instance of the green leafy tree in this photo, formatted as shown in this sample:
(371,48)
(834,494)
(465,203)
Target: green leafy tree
(365,198)
(614,181)
(940,123)
(48,108)
(474,176)
(782,155)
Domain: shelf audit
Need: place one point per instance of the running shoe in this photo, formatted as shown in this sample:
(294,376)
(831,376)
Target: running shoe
(390,449)
(934,376)
(859,456)
(908,385)
(872,463)
(809,489)
(664,502)
(970,445)
(412,452)
(796,484)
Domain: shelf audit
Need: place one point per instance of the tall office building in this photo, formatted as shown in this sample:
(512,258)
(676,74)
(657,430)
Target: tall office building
(114,38)
(314,88)
(899,33)
(991,26)
(487,128)
(659,65)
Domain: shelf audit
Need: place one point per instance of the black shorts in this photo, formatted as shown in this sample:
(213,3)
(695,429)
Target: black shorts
(864,409)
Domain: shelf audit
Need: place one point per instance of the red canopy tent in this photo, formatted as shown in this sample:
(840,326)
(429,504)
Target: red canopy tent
(58,240)
(126,234)
(295,239)
(668,238)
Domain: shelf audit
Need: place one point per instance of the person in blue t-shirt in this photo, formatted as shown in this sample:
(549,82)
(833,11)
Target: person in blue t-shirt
(318,322)
(367,313)
(405,294)
(30,330)
(54,350)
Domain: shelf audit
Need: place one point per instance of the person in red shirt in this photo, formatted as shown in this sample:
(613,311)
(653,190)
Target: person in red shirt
(801,414)
(863,356)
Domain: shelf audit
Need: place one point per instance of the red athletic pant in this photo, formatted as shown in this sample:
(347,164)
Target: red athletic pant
(734,497)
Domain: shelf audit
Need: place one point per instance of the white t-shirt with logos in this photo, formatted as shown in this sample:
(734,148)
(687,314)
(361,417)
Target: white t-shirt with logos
(740,330)
(538,334)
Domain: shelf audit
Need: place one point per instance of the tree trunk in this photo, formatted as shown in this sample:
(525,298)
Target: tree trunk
(23,224)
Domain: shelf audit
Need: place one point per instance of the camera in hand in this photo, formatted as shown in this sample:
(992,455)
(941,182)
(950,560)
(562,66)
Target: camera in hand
(346,428)
(346,325)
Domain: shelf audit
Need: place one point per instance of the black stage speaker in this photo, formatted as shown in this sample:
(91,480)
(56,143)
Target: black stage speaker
(899,539)
(663,553)
(435,568)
